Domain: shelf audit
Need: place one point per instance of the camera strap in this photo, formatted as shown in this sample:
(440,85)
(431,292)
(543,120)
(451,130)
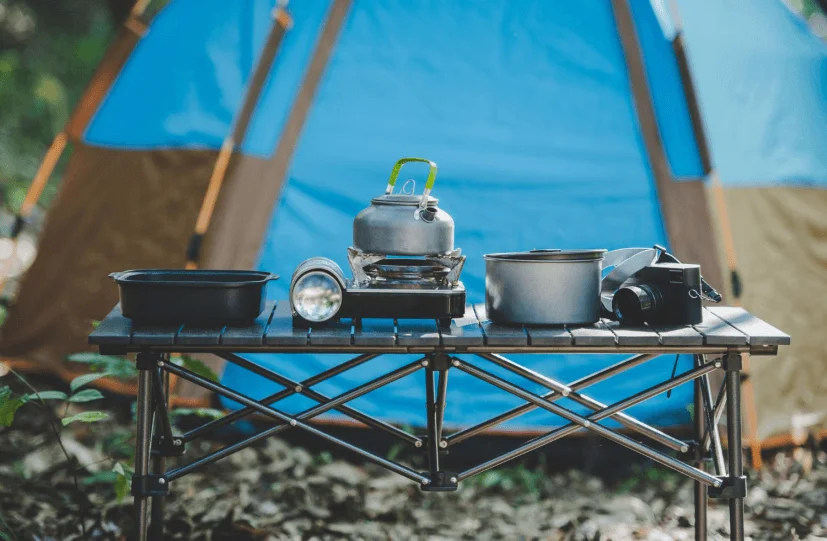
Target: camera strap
(626,262)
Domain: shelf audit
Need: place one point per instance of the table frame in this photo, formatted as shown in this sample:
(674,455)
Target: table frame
(721,348)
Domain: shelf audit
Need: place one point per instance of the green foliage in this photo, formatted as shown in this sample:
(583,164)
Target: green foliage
(9,404)
(519,477)
(209,413)
(197,366)
(86,395)
(323,458)
(85,417)
(44,395)
(43,72)
(85,379)
(123,481)
(117,367)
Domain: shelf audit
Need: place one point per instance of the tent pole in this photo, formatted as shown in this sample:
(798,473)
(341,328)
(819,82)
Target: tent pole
(702,142)
(683,205)
(223,246)
(238,130)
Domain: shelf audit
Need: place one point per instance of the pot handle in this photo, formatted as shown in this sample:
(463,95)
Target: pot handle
(428,183)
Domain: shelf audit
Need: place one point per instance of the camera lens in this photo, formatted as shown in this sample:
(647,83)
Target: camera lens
(636,304)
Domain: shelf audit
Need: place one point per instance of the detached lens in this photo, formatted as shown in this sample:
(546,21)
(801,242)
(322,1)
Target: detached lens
(317,296)
(635,304)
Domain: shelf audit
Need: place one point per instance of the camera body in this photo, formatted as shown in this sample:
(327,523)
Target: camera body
(663,294)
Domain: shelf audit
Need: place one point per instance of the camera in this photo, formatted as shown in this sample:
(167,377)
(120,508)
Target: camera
(663,294)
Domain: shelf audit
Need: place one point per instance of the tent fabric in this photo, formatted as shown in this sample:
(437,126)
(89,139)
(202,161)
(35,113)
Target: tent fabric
(667,94)
(761,76)
(186,78)
(510,101)
(780,235)
(116,210)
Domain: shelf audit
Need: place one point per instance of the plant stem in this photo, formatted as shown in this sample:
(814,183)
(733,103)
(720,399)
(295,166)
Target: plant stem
(7,528)
(69,458)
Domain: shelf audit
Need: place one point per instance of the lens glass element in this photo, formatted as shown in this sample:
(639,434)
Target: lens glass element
(635,304)
(317,296)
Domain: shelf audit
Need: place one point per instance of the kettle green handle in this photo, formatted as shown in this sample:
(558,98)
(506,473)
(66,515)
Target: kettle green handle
(428,183)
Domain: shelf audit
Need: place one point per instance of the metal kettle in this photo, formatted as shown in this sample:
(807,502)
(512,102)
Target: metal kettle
(405,224)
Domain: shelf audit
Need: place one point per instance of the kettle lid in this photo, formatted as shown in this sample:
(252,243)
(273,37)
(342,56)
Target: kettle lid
(405,200)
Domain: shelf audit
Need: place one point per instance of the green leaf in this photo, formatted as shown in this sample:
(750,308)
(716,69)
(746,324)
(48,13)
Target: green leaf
(86,395)
(123,483)
(123,486)
(44,395)
(86,379)
(8,407)
(100,478)
(122,469)
(117,367)
(85,417)
(86,358)
(195,365)
(5,537)
(210,413)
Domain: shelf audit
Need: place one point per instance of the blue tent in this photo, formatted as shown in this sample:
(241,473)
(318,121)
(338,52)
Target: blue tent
(547,132)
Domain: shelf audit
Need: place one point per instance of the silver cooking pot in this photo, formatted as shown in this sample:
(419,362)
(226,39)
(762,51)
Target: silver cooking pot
(544,287)
(404,224)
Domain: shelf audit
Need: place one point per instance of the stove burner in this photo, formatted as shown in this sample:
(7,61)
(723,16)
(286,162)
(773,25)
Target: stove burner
(408,270)
(429,272)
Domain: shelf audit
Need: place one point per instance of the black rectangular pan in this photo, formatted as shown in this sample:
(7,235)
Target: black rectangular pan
(228,297)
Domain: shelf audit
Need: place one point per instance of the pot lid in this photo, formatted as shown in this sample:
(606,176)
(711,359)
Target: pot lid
(550,255)
(406,200)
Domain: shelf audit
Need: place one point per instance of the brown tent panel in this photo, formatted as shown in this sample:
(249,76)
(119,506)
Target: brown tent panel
(116,210)
(780,236)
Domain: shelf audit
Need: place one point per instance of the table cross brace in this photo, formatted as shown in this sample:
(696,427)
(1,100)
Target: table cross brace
(438,364)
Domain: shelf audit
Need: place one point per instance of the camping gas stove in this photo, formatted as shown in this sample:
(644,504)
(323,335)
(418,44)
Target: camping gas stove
(382,286)
(411,287)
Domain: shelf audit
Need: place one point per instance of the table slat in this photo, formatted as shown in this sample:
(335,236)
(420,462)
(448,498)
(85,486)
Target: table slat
(497,334)
(190,335)
(679,336)
(417,332)
(463,331)
(374,332)
(760,332)
(249,335)
(149,334)
(281,331)
(718,332)
(632,336)
(331,333)
(549,336)
(113,330)
(592,335)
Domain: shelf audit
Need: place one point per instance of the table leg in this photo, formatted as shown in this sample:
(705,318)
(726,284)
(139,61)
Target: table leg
(142,447)
(735,444)
(433,436)
(701,497)
(156,524)
(441,397)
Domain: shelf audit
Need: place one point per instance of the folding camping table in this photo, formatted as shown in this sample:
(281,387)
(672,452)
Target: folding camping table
(717,343)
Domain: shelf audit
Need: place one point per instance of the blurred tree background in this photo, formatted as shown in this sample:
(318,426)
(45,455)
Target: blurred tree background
(49,50)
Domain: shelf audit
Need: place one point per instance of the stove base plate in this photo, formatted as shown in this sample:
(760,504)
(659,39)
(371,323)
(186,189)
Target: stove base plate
(443,303)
